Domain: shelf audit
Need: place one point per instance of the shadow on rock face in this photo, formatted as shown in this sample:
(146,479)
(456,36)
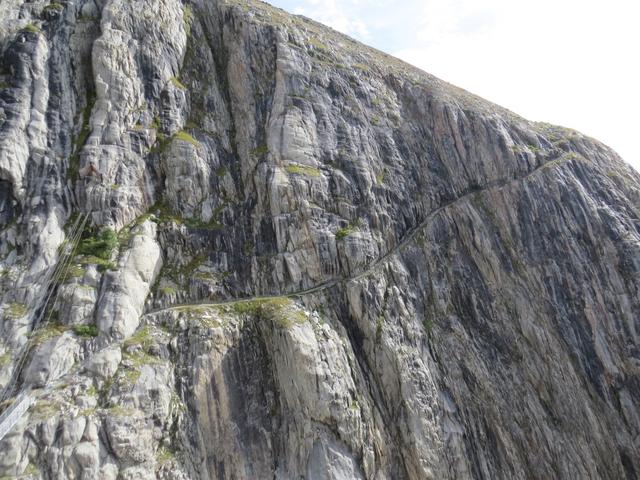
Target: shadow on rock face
(8,205)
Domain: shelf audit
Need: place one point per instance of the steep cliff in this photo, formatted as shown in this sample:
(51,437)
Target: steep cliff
(299,258)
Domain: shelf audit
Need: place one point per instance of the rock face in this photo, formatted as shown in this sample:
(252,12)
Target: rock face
(303,259)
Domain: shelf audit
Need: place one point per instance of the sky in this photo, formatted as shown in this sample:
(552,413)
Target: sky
(574,63)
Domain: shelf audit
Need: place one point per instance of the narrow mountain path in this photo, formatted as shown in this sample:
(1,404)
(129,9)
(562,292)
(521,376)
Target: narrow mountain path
(408,238)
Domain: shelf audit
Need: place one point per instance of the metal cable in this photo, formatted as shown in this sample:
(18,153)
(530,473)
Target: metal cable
(61,269)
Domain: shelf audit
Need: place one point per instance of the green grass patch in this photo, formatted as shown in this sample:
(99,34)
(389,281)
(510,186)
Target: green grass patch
(47,332)
(86,331)
(163,142)
(31,28)
(5,358)
(177,83)
(81,139)
(53,7)
(74,271)
(427,323)
(186,137)
(15,310)
(87,412)
(164,456)
(125,234)
(361,66)
(281,310)
(260,150)
(303,170)
(187,18)
(142,337)
(164,213)
(122,412)
(178,274)
(31,470)
(316,43)
(379,323)
(199,224)
(44,410)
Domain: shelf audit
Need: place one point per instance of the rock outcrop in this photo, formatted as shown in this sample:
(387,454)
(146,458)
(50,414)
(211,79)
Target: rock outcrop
(304,259)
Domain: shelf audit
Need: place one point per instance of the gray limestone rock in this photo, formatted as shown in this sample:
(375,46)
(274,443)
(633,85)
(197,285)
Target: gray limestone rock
(302,258)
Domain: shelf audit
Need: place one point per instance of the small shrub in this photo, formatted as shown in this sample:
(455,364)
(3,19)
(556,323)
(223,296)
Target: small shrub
(92,391)
(101,263)
(86,331)
(427,323)
(344,232)
(101,246)
(348,230)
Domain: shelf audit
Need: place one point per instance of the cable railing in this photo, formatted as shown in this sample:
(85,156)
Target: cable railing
(53,279)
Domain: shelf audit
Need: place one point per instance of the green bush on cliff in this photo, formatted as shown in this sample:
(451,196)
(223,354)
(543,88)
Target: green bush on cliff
(86,331)
(101,246)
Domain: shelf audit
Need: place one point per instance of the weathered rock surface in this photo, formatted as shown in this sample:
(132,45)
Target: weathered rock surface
(303,259)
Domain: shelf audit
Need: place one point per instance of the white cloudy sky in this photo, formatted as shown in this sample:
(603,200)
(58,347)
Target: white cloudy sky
(575,63)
